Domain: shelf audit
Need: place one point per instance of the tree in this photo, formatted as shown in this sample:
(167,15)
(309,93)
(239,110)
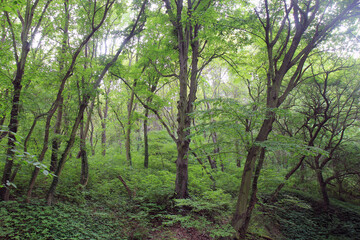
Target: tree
(31,19)
(188,27)
(290,33)
(335,104)
(134,29)
(64,76)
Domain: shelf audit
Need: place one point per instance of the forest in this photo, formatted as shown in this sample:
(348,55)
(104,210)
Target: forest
(172,119)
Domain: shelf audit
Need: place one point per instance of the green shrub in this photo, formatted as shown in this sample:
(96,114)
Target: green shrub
(63,221)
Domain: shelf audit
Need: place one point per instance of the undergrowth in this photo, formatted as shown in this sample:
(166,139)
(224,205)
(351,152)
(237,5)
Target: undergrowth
(299,216)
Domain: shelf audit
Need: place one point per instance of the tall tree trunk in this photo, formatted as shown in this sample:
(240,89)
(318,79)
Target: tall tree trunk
(51,192)
(129,125)
(84,176)
(237,154)
(103,114)
(56,140)
(146,143)
(253,199)
(92,138)
(152,89)
(13,127)
(213,135)
(26,38)
(3,117)
(239,217)
(87,125)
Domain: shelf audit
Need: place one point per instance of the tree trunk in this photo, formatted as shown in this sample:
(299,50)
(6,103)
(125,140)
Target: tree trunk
(13,127)
(146,143)
(92,138)
(253,199)
(323,191)
(216,152)
(51,192)
(56,140)
(129,125)
(17,86)
(3,117)
(287,176)
(103,114)
(103,124)
(181,182)
(213,135)
(239,217)
(237,154)
(84,176)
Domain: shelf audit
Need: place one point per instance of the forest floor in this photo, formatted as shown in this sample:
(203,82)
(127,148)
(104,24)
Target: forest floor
(293,216)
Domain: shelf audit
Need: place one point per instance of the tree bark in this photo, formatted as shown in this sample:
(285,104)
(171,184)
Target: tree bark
(323,191)
(253,199)
(129,126)
(84,176)
(13,127)
(237,154)
(103,114)
(242,202)
(146,143)
(56,140)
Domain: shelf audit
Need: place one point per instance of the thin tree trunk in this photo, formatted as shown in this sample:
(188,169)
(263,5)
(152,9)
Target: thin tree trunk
(129,125)
(146,143)
(130,193)
(287,176)
(237,155)
(213,135)
(152,89)
(56,141)
(103,123)
(84,176)
(205,169)
(92,138)
(302,173)
(103,114)
(2,118)
(51,192)
(216,152)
